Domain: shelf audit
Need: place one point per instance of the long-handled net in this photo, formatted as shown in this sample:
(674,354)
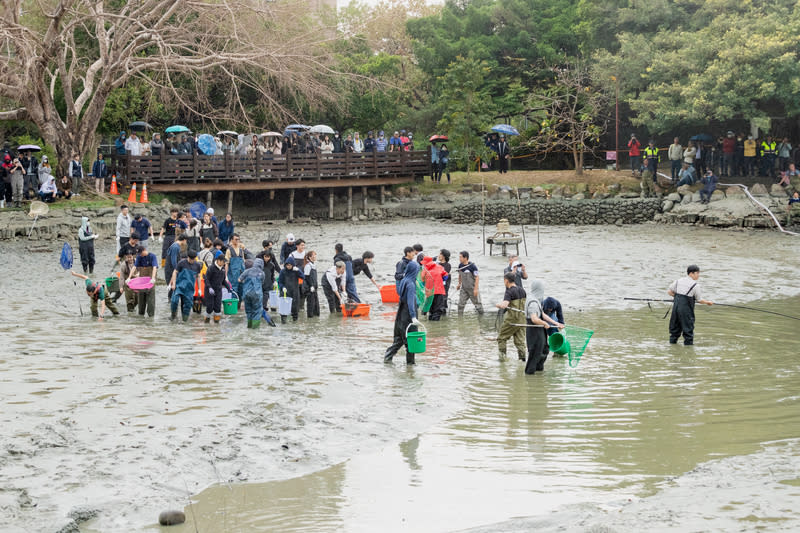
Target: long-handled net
(578,338)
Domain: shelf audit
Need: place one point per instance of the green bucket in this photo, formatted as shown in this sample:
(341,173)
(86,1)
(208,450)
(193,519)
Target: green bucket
(112,284)
(416,340)
(230,306)
(558,343)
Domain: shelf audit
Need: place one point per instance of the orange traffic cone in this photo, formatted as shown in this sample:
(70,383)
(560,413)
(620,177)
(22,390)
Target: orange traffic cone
(132,195)
(114,189)
(144,199)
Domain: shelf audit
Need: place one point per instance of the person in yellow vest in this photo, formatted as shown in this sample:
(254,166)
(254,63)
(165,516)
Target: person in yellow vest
(769,151)
(651,157)
(750,156)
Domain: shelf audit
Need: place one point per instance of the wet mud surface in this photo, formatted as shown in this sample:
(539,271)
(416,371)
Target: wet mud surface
(303,428)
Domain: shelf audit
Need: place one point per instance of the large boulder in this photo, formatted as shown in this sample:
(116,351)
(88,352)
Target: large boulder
(667,205)
(732,192)
(717,195)
(579,196)
(674,197)
(758,190)
(684,190)
(696,196)
(777,191)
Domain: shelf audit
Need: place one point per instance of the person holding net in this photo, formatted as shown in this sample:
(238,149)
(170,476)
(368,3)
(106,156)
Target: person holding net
(538,322)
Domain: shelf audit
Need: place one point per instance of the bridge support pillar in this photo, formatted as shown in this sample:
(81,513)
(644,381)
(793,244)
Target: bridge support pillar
(209,195)
(364,199)
(311,193)
(291,204)
(349,202)
(230,202)
(382,195)
(330,203)
(272,194)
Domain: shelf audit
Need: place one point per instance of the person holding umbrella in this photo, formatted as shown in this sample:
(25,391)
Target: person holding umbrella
(31,167)
(503,154)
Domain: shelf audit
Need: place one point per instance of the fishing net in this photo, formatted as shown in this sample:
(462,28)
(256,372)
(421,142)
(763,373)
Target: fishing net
(578,341)
(66,256)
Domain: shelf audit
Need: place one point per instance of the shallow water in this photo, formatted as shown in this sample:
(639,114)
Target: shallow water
(302,427)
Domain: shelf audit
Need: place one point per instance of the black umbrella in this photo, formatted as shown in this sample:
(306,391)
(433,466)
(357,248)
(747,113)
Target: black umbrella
(140,125)
(702,137)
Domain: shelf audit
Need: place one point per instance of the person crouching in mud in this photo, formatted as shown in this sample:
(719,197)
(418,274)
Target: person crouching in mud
(685,292)
(98,293)
(406,314)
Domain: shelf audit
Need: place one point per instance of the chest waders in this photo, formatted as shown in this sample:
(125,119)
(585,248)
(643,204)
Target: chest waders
(183,294)
(681,321)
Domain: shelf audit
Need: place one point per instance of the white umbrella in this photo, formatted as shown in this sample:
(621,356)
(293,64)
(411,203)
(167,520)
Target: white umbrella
(271,134)
(322,128)
(228,133)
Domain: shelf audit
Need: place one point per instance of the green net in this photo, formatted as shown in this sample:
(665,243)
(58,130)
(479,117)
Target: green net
(424,290)
(578,341)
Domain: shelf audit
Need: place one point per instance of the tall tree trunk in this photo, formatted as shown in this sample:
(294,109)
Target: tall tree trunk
(577,156)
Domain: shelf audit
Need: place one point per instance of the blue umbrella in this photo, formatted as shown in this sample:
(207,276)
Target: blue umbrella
(197,210)
(506,129)
(176,129)
(207,144)
(702,137)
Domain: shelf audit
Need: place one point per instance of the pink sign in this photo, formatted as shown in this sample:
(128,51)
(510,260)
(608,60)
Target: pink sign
(611,156)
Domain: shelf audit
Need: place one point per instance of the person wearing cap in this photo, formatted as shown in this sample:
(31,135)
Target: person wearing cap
(381,142)
(634,147)
(395,144)
(728,154)
(99,297)
(516,267)
(685,292)
(287,247)
(709,186)
(503,154)
(687,175)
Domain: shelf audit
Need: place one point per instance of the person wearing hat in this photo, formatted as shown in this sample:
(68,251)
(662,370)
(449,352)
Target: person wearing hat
(685,292)
(369,142)
(516,267)
(119,143)
(99,296)
(634,147)
(381,142)
(287,247)
(395,144)
(503,154)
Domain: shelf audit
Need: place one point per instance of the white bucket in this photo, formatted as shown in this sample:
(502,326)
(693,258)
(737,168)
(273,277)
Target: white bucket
(285,305)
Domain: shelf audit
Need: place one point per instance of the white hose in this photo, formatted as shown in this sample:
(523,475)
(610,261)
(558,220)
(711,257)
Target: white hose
(759,204)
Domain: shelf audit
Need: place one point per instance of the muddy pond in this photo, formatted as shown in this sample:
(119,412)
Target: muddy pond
(304,428)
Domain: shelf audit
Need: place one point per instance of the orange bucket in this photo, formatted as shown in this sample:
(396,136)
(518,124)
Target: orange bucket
(389,294)
(356,309)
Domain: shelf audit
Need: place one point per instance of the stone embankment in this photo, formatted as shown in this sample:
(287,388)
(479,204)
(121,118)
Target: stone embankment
(729,207)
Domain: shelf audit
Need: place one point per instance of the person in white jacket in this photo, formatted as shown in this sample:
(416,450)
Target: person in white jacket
(124,220)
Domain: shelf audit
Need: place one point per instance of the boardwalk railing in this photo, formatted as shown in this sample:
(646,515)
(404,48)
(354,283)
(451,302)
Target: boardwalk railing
(267,171)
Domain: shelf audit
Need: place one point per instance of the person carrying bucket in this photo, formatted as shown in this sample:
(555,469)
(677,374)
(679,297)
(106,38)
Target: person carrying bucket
(236,255)
(334,285)
(406,319)
(250,280)
(182,285)
(685,292)
(536,334)
(289,281)
(146,266)
(513,308)
(215,280)
(99,296)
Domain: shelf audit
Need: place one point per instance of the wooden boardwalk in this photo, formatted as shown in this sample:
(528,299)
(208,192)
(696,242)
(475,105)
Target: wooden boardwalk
(231,172)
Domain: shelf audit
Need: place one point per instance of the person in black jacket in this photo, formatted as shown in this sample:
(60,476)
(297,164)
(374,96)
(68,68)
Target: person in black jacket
(289,281)
(310,284)
(399,270)
(361,264)
(215,280)
(271,268)
(350,280)
(503,154)
(288,247)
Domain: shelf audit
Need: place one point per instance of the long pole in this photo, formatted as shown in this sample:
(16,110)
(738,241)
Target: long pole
(519,211)
(616,129)
(483,216)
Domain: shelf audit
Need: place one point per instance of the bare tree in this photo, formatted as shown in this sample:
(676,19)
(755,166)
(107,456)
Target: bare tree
(569,114)
(60,59)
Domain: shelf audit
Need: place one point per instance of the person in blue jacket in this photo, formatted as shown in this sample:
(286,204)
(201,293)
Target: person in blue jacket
(226,229)
(250,281)
(406,313)
(182,285)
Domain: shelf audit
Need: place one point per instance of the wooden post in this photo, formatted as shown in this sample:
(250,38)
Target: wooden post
(194,167)
(162,171)
(383,192)
(311,193)
(291,204)
(230,201)
(349,202)
(330,203)
(364,199)
(272,194)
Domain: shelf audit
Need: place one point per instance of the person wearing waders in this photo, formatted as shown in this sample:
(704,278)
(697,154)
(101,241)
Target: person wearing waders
(236,255)
(468,284)
(175,253)
(513,309)
(215,280)
(98,294)
(311,285)
(146,266)
(333,285)
(250,281)
(182,285)
(289,281)
(350,279)
(86,245)
(406,314)
(536,332)
(685,292)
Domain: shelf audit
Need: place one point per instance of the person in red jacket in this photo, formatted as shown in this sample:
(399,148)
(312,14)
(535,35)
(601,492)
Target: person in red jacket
(634,147)
(439,275)
(728,154)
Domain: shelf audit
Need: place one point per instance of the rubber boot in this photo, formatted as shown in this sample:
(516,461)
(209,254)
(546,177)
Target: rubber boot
(185,317)
(217,319)
(173,315)
(410,358)
(249,323)
(387,358)
(256,324)
(207,319)
(283,319)
(502,357)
